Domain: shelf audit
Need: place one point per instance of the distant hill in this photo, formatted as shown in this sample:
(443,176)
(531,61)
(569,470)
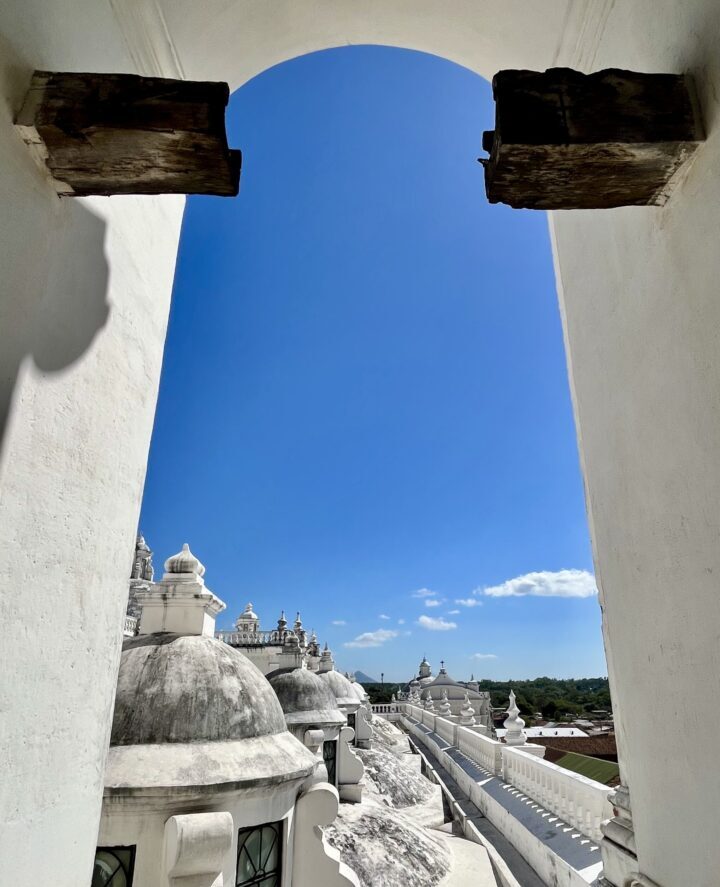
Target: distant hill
(362,678)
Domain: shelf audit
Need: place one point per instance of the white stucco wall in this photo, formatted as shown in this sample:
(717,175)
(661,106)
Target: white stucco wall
(639,292)
(639,297)
(84,296)
(142,823)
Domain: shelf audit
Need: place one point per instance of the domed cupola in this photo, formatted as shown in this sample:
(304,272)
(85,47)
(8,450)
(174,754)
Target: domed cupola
(346,697)
(190,710)
(248,620)
(306,699)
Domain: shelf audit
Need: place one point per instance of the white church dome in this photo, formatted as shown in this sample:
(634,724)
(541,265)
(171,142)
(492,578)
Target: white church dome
(191,710)
(306,699)
(341,687)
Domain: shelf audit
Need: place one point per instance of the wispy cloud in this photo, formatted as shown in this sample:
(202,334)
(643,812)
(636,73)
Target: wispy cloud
(468,602)
(383,616)
(401,622)
(432,602)
(373,638)
(435,624)
(339,622)
(424,592)
(483,656)
(453,612)
(562,583)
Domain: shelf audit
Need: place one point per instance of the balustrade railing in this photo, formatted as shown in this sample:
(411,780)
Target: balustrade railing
(250,638)
(385,708)
(130,626)
(581,802)
(481,749)
(446,729)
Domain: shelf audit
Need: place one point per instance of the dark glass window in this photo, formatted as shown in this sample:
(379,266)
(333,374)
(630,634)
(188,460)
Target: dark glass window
(330,758)
(113,867)
(259,856)
(351,720)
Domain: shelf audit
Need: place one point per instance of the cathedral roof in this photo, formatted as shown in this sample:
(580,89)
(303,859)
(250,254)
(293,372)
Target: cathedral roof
(342,688)
(191,710)
(305,698)
(443,682)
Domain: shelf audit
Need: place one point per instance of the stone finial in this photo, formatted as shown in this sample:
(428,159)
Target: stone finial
(514,724)
(429,704)
(467,712)
(445,707)
(392,698)
(180,603)
(142,569)
(282,622)
(184,563)
(326,660)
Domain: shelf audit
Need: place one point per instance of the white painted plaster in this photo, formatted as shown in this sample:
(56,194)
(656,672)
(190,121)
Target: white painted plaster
(84,297)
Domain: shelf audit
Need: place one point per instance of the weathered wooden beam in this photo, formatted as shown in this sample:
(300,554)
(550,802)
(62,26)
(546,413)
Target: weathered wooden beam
(124,134)
(566,140)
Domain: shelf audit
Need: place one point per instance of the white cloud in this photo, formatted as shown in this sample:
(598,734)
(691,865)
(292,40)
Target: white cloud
(433,624)
(483,656)
(383,616)
(424,592)
(401,622)
(453,612)
(339,622)
(563,583)
(432,602)
(468,602)
(373,638)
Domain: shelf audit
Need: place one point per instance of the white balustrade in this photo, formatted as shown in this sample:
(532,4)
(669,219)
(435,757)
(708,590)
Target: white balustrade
(446,729)
(428,718)
(130,626)
(481,749)
(250,638)
(384,708)
(581,802)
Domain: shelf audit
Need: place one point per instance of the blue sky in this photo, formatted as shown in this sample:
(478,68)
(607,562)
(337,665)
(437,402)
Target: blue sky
(364,410)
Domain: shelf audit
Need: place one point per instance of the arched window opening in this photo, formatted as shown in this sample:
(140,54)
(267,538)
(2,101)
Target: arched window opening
(260,856)
(114,867)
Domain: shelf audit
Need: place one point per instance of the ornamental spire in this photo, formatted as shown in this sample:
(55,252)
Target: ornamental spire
(514,724)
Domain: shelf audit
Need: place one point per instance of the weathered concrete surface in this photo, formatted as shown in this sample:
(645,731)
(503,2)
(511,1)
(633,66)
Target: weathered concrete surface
(385,847)
(469,866)
(305,699)
(190,689)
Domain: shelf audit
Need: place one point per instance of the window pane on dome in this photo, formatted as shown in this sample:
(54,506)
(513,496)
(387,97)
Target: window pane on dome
(329,757)
(113,867)
(259,856)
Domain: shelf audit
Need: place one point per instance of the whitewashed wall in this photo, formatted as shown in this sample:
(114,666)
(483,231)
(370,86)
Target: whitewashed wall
(84,295)
(641,311)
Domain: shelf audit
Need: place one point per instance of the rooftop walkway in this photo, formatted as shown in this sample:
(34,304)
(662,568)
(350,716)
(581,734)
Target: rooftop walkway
(470,863)
(575,849)
(523,873)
